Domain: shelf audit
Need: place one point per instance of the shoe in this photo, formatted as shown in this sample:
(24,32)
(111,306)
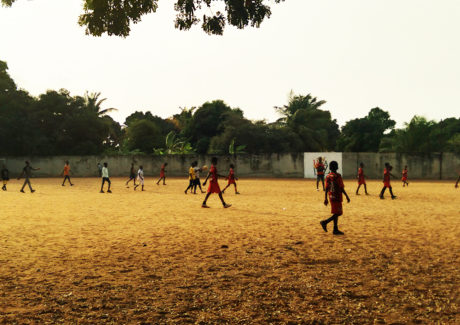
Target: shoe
(317,190)
(393,197)
(227,206)
(185,192)
(101,191)
(109,191)
(237,192)
(381,197)
(324,225)
(337,232)
(32,191)
(63,185)
(203,192)
(71,184)
(22,191)
(204,206)
(367,193)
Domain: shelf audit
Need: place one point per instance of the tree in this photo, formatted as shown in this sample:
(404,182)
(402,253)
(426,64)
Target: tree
(143,135)
(315,127)
(365,134)
(114,17)
(93,103)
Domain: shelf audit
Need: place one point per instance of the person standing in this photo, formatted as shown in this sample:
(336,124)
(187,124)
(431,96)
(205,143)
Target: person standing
(198,170)
(191,177)
(320,168)
(404,176)
(105,178)
(27,173)
(66,173)
(231,179)
(361,179)
(386,181)
(163,174)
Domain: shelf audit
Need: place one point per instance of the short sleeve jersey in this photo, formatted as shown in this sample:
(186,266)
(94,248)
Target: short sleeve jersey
(197,172)
(191,173)
(231,174)
(27,171)
(213,172)
(5,173)
(140,174)
(386,176)
(105,172)
(334,185)
(404,173)
(319,168)
(360,172)
(66,170)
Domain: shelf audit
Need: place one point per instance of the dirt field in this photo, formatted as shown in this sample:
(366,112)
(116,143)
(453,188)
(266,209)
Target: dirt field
(73,255)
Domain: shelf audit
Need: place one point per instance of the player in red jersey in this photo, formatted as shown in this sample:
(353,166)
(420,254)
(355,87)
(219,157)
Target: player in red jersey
(361,179)
(320,168)
(231,179)
(163,174)
(335,189)
(213,184)
(386,181)
(404,176)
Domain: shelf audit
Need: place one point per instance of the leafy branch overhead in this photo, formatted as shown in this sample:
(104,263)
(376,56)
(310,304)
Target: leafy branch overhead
(114,17)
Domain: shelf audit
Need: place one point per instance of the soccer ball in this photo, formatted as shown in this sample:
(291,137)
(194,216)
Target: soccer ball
(204,168)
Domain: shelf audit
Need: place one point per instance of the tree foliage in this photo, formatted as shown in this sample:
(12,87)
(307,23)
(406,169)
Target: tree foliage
(115,17)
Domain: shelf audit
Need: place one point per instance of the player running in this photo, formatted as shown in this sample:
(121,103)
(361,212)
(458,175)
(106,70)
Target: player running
(214,185)
(386,181)
(231,179)
(140,178)
(163,174)
(404,177)
(132,176)
(105,178)
(5,177)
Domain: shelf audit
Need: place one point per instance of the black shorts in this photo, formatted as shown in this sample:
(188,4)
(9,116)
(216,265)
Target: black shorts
(132,176)
(320,177)
(196,181)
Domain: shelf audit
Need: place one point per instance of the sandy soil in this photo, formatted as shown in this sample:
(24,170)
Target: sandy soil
(73,255)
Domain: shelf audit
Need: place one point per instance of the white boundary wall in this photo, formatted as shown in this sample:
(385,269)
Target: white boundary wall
(309,170)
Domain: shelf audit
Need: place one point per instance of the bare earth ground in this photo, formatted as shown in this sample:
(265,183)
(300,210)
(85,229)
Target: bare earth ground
(73,255)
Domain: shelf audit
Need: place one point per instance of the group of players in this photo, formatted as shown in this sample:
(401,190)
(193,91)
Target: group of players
(334,188)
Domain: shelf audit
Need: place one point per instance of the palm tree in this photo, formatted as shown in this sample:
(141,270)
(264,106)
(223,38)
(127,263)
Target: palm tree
(93,103)
(297,103)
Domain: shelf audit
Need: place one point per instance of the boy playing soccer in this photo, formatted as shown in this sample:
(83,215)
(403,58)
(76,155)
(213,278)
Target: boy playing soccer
(361,179)
(404,176)
(320,168)
(105,178)
(386,181)
(66,173)
(191,177)
(163,174)
(458,180)
(335,188)
(132,176)
(5,177)
(197,178)
(27,173)
(231,179)
(213,185)
(140,178)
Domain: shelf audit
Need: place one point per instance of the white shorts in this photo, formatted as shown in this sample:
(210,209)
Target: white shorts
(141,181)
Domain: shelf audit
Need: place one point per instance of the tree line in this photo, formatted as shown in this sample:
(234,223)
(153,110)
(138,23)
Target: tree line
(56,123)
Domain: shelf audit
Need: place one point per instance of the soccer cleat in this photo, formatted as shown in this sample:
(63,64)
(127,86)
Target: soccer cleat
(22,191)
(101,191)
(31,191)
(337,232)
(71,184)
(324,225)
(237,192)
(393,197)
(227,206)
(109,191)
(381,197)
(63,185)
(185,192)
(204,206)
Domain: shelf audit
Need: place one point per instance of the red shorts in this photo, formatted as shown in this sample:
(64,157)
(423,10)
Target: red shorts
(386,184)
(213,187)
(162,175)
(404,179)
(231,181)
(336,207)
(361,181)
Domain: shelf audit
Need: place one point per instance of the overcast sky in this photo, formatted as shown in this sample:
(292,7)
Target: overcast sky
(403,56)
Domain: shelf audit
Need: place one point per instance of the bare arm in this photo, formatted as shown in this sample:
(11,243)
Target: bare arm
(458,180)
(204,183)
(346,195)
(325,196)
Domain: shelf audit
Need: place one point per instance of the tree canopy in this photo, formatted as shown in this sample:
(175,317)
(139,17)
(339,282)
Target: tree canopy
(115,17)
(57,123)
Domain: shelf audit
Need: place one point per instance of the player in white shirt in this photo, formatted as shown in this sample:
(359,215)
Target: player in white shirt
(105,178)
(140,178)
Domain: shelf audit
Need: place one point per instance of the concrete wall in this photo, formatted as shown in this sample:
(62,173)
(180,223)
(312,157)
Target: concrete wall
(268,165)
(429,166)
(420,166)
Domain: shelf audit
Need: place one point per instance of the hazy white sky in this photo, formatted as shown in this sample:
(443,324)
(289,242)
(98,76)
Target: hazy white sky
(403,56)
